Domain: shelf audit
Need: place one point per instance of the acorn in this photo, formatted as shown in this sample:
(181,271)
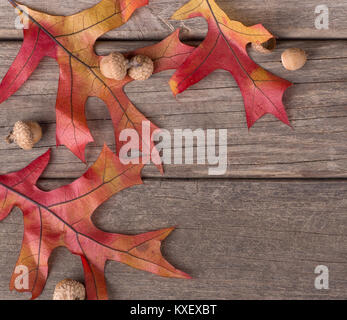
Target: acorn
(115,66)
(294,59)
(141,68)
(25,134)
(69,290)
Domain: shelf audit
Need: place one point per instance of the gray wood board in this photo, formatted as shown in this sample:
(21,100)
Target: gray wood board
(316,106)
(286,19)
(238,239)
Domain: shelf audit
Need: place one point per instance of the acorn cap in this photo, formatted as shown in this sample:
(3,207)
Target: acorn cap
(142,67)
(69,290)
(114,66)
(266,47)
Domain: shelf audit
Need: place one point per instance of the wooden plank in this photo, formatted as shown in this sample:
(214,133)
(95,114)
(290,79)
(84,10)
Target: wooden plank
(251,240)
(316,106)
(287,20)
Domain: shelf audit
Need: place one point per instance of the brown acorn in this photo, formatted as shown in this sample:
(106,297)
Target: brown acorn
(141,68)
(114,66)
(294,59)
(25,134)
(69,290)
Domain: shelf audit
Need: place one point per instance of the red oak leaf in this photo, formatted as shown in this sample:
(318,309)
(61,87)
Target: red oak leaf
(62,217)
(70,40)
(225,48)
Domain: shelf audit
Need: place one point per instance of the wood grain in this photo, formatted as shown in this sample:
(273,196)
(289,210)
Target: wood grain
(238,239)
(294,19)
(316,106)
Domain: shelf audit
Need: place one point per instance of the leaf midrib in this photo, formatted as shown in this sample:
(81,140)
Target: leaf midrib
(39,205)
(238,61)
(221,33)
(73,56)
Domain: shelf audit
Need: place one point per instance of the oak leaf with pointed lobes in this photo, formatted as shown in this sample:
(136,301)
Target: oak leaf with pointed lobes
(70,40)
(62,218)
(225,48)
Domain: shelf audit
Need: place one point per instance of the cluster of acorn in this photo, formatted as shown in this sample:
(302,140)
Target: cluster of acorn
(114,66)
(27,133)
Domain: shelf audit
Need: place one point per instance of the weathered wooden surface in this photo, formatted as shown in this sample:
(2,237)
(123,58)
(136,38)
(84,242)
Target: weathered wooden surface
(287,19)
(238,239)
(316,105)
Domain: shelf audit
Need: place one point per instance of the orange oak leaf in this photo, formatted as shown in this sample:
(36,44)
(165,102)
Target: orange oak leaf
(225,48)
(70,40)
(62,218)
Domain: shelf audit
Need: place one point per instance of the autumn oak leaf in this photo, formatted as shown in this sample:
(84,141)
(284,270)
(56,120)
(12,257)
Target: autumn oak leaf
(70,41)
(225,48)
(62,218)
